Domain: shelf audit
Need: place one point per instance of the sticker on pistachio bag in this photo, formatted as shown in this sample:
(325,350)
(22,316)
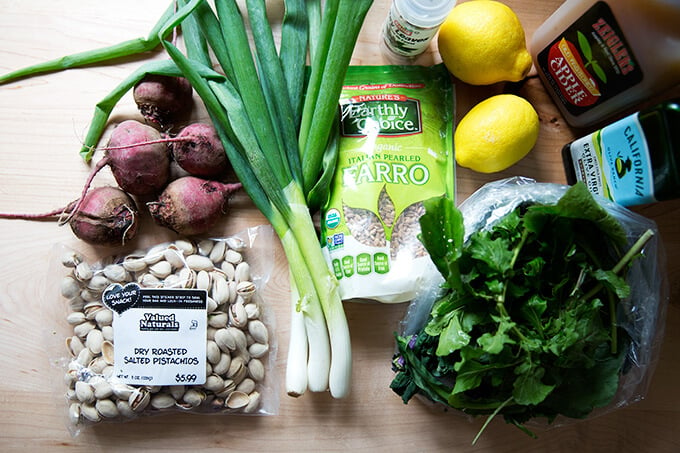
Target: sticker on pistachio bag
(159,334)
(395,151)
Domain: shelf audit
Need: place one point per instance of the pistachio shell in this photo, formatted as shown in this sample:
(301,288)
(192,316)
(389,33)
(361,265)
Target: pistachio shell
(256,370)
(237,315)
(214,383)
(217,253)
(70,287)
(233,257)
(242,272)
(258,350)
(161,269)
(104,318)
(236,243)
(162,401)
(155,254)
(205,246)
(218,319)
(124,409)
(83,271)
(174,256)
(187,247)
(222,365)
(71,258)
(139,399)
(74,413)
(74,345)
(213,352)
(134,264)
(116,273)
(229,270)
(239,338)
(84,392)
(254,402)
(107,351)
(94,341)
(225,340)
(203,280)
(246,386)
(199,263)
(237,400)
(258,330)
(194,397)
(89,412)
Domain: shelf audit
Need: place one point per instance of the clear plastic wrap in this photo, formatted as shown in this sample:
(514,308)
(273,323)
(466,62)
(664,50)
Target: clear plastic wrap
(641,314)
(195,305)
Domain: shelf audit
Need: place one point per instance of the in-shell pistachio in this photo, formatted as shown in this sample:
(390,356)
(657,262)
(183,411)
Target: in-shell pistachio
(199,263)
(107,408)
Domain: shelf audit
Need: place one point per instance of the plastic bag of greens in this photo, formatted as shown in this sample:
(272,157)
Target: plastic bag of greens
(552,307)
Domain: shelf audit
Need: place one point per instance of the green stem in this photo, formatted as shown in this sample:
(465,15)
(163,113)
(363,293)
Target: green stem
(119,50)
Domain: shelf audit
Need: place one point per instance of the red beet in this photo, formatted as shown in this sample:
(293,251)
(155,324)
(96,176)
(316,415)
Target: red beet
(191,205)
(138,157)
(161,99)
(105,216)
(199,151)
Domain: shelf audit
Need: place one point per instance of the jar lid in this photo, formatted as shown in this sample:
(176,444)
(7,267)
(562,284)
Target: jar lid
(425,13)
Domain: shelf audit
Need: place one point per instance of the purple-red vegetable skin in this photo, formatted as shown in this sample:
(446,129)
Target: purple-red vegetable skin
(199,151)
(161,99)
(138,157)
(191,205)
(107,216)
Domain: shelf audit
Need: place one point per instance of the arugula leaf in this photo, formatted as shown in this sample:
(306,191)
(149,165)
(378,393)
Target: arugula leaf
(453,336)
(493,343)
(442,220)
(528,388)
(578,203)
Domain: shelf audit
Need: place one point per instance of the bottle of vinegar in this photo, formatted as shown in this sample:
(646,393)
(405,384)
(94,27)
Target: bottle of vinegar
(598,58)
(633,161)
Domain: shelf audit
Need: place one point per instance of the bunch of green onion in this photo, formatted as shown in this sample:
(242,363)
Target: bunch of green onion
(274,108)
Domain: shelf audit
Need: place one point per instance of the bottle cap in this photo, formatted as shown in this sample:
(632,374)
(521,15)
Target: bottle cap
(425,13)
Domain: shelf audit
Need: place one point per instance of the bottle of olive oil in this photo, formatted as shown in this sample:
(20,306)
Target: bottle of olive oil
(633,161)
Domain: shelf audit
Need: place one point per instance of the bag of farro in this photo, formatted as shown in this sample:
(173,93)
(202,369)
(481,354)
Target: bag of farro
(395,150)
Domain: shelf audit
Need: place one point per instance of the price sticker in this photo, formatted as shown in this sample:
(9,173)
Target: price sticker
(159,334)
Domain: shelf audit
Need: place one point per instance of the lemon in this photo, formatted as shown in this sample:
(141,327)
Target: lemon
(496,133)
(482,42)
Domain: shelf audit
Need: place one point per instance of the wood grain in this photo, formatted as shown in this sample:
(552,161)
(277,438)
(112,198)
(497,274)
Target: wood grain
(42,121)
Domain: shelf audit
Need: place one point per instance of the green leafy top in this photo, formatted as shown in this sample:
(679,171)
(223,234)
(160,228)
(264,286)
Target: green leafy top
(528,316)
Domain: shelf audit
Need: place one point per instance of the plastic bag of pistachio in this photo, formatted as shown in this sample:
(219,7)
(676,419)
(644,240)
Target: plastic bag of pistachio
(176,327)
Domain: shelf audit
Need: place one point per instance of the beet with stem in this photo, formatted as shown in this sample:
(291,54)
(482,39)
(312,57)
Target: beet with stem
(190,205)
(199,151)
(139,158)
(105,216)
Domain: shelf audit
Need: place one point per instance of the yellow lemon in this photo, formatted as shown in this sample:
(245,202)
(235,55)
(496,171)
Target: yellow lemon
(482,42)
(496,133)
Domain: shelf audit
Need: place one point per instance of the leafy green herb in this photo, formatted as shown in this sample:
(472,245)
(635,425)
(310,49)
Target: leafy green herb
(526,326)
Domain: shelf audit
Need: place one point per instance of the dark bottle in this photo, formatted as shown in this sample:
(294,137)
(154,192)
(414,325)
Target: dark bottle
(633,161)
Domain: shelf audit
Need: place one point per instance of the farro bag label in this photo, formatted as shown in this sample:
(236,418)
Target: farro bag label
(395,150)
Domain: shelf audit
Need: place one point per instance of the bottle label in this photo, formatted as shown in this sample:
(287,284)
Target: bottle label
(614,163)
(590,61)
(405,38)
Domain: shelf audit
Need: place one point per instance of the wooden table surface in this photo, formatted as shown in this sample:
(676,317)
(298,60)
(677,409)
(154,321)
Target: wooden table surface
(42,121)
